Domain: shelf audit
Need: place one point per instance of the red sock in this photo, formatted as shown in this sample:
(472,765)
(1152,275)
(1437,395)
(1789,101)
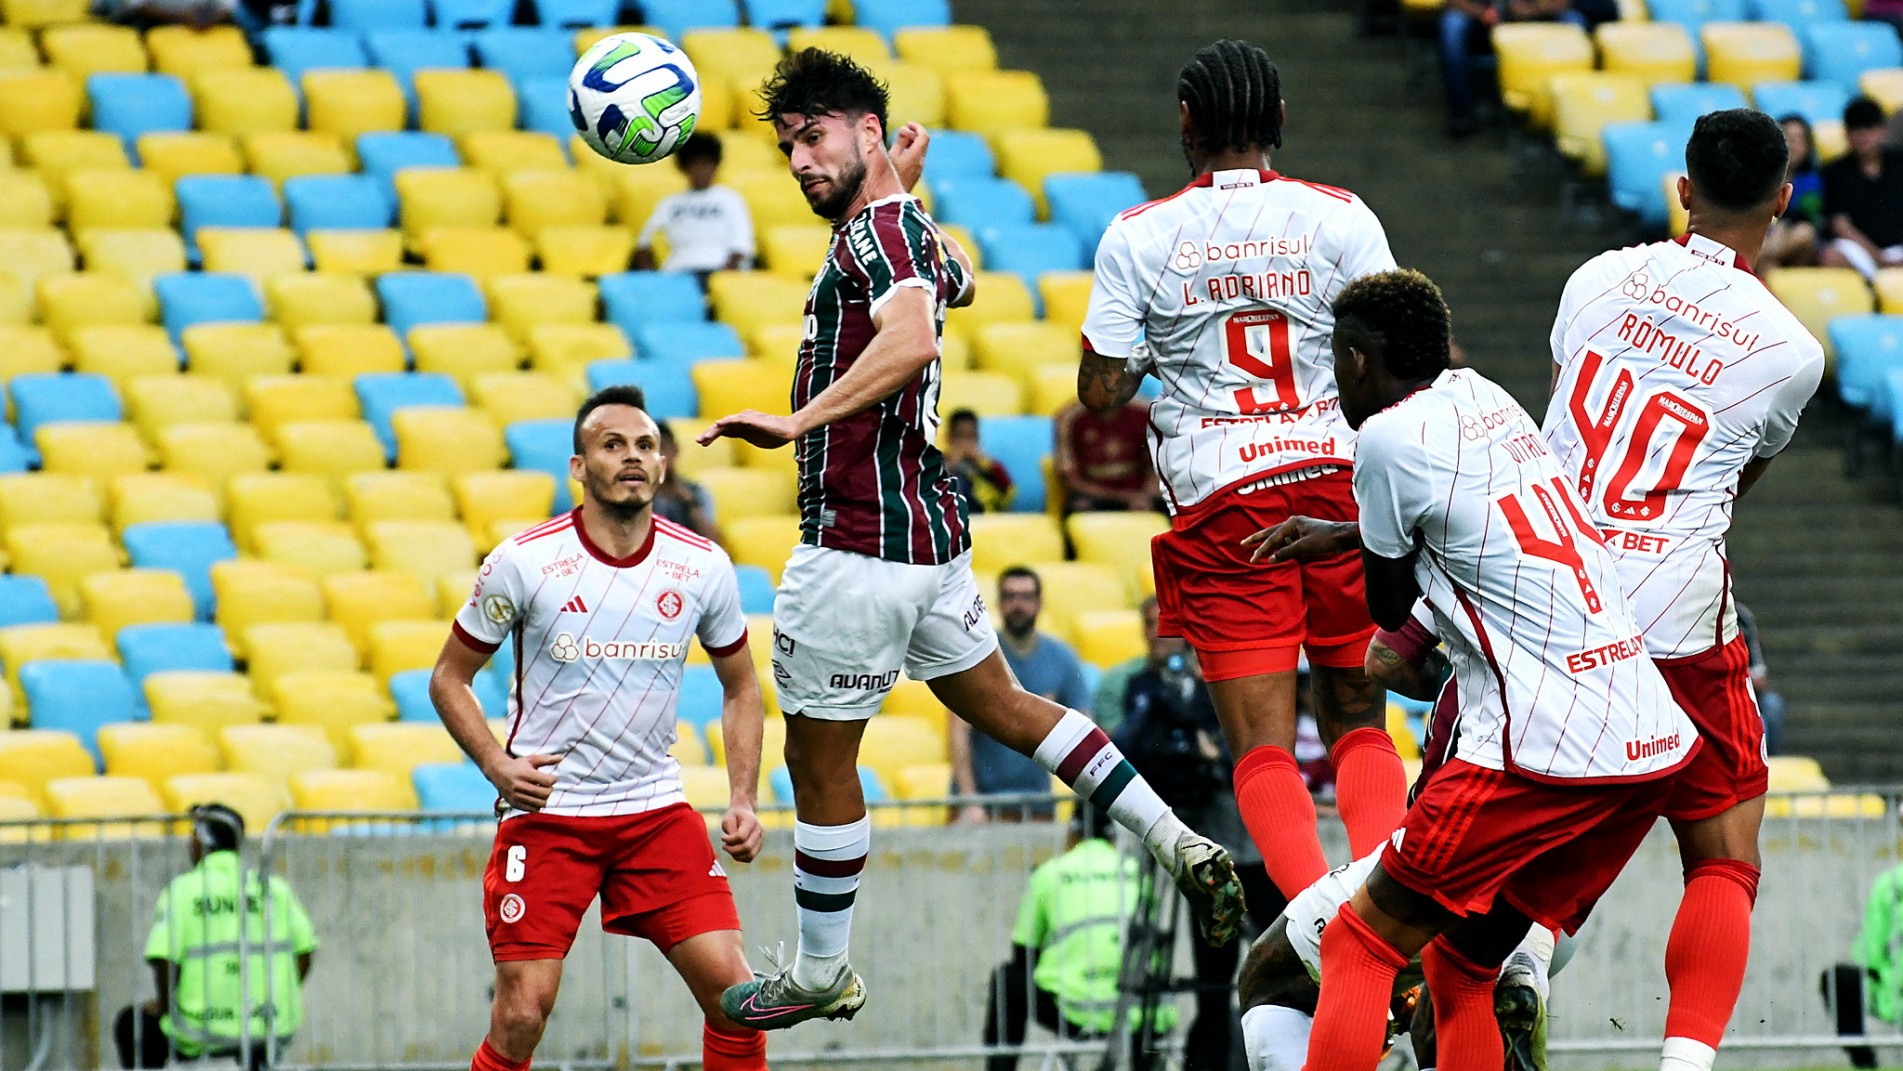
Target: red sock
(741,1050)
(1370,787)
(1352,1014)
(1706,954)
(1468,1035)
(1280,814)
(488,1059)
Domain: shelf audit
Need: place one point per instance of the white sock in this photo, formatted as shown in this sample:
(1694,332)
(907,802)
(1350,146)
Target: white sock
(1276,1038)
(1081,756)
(1684,1054)
(827,862)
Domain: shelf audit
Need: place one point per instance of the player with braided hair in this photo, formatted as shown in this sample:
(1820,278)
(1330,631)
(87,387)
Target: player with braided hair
(1229,283)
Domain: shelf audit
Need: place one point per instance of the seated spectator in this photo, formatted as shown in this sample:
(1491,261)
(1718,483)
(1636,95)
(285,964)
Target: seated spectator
(1863,196)
(1466,30)
(199,14)
(1770,704)
(708,227)
(983,482)
(1104,460)
(680,499)
(1107,706)
(1792,241)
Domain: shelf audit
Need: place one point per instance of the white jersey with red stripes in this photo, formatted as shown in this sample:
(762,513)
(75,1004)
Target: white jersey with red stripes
(1553,678)
(600,643)
(1677,368)
(1230,283)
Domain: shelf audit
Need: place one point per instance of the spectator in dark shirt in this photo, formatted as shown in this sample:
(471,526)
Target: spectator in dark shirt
(981,479)
(1770,704)
(1104,460)
(1792,240)
(680,499)
(1466,29)
(1863,196)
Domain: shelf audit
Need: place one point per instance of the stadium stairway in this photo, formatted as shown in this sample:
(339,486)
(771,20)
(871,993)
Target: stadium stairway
(1484,218)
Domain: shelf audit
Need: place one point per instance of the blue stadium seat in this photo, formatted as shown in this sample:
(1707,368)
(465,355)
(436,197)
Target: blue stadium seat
(148,649)
(959,154)
(1020,443)
(457,787)
(1893,404)
(471,14)
(492,688)
(383,393)
(669,385)
(1032,249)
(700,696)
(404,52)
(1087,201)
(381,153)
(632,298)
(1638,157)
(780,780)
(410,691)
(1799,14)
(14,455)
(344,202)
(542,446)
(77,695)
(24,600)
(1693,14)
(890,16)
(502,663)
(49,397)
(683,343)
(756,589)
(577,13)
(1681,103)
(188,548)
(429,297)
(676,17)
(296,49)
(187,298)
(1815,101)
(523,52)
(544,104)
(363,15)
(132,104)
(778,16)
(224,201)
(1867,348)
(982,202)
(1841,51)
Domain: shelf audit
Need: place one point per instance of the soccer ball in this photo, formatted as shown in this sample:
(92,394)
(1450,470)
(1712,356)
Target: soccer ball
(634,98)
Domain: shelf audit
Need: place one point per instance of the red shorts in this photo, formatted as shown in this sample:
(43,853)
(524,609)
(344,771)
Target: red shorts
(1550,851)
(1245,618)
(1714,689)
(655,872)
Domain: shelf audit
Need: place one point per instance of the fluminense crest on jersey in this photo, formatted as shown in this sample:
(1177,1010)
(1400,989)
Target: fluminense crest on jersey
(634,98)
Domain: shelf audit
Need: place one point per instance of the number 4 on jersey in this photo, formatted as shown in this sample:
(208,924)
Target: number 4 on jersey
(1596,433)
(1563,551)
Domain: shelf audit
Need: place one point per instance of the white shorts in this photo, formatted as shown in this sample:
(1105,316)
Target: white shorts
(1314,906)
(845,624)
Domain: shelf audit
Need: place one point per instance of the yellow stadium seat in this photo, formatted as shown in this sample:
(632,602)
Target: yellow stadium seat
(245,100)
(84,48)
(26,349)
(773,198)
(1000,540)
(209,702)
(1530,54)
(506,397)
(796,250)
(731,55)
(320,548)
(281,154)
(16,301)
(966,241)
(1002,298)
(587,251)
(276,751)
(298,298)
(1026,156)
(1108,637)
(1889,288)
(37,101)
(16,50)
(59,153)
(917,93)
(37,14)
(122,352)
(154,402)
(1796,773)
(274,650)
(144,497)
(1118,540)
(446,197)
(351,102)
(355,252)
(184,51)
(484,498)
(772,745)
(566,350)
(729,386)
(237,351)
(463,101)
(688,749)
(739,493)
(174,153)
(254,592)
(258,498)
(452,591)
(1746,53)
(927,781)
(1817,296)
(1050,389)
(32,757)
(862,44)
(358,601)
(278,400)
(215,451)
(347,350)
(1017,349)
(984,393)
(254,251)
(136,255)
(504,152)
(397,496)
(154,752)
(20,644)
(634,191)
(399,645)
(399,748)
(333,448)
(100,798)
(113,197)
(1652,52)
(988,102)
(947,49)
(24,199)
(424,549)
(1833,143)
(256,799)
(478,251)
(447,440)
(777,343)
(763,541)
(519,302)
(743,151)
(1071,588)
(46,497)
(80,298)
(894,742)
(333,701)
(534,199)
(1678,218)
(114,599)
(86,448)
(1584,103)
(35,253)
(751,299)
(1885,86)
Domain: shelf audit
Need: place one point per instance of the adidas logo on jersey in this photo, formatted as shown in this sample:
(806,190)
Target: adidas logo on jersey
(565,648)
(575,606)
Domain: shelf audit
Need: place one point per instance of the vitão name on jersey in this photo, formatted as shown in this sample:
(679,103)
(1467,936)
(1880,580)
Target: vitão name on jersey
(1601,657)
(566,648)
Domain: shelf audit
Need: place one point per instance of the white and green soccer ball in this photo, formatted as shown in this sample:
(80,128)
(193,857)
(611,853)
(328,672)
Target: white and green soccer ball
(634,98)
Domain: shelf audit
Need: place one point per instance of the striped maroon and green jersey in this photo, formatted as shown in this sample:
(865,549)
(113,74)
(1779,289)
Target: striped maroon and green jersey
(875,483)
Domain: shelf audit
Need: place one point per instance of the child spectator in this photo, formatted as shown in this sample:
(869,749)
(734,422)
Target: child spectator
(708,227)
(982,480)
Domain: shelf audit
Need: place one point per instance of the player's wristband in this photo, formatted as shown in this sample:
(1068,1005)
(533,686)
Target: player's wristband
(1411,641)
